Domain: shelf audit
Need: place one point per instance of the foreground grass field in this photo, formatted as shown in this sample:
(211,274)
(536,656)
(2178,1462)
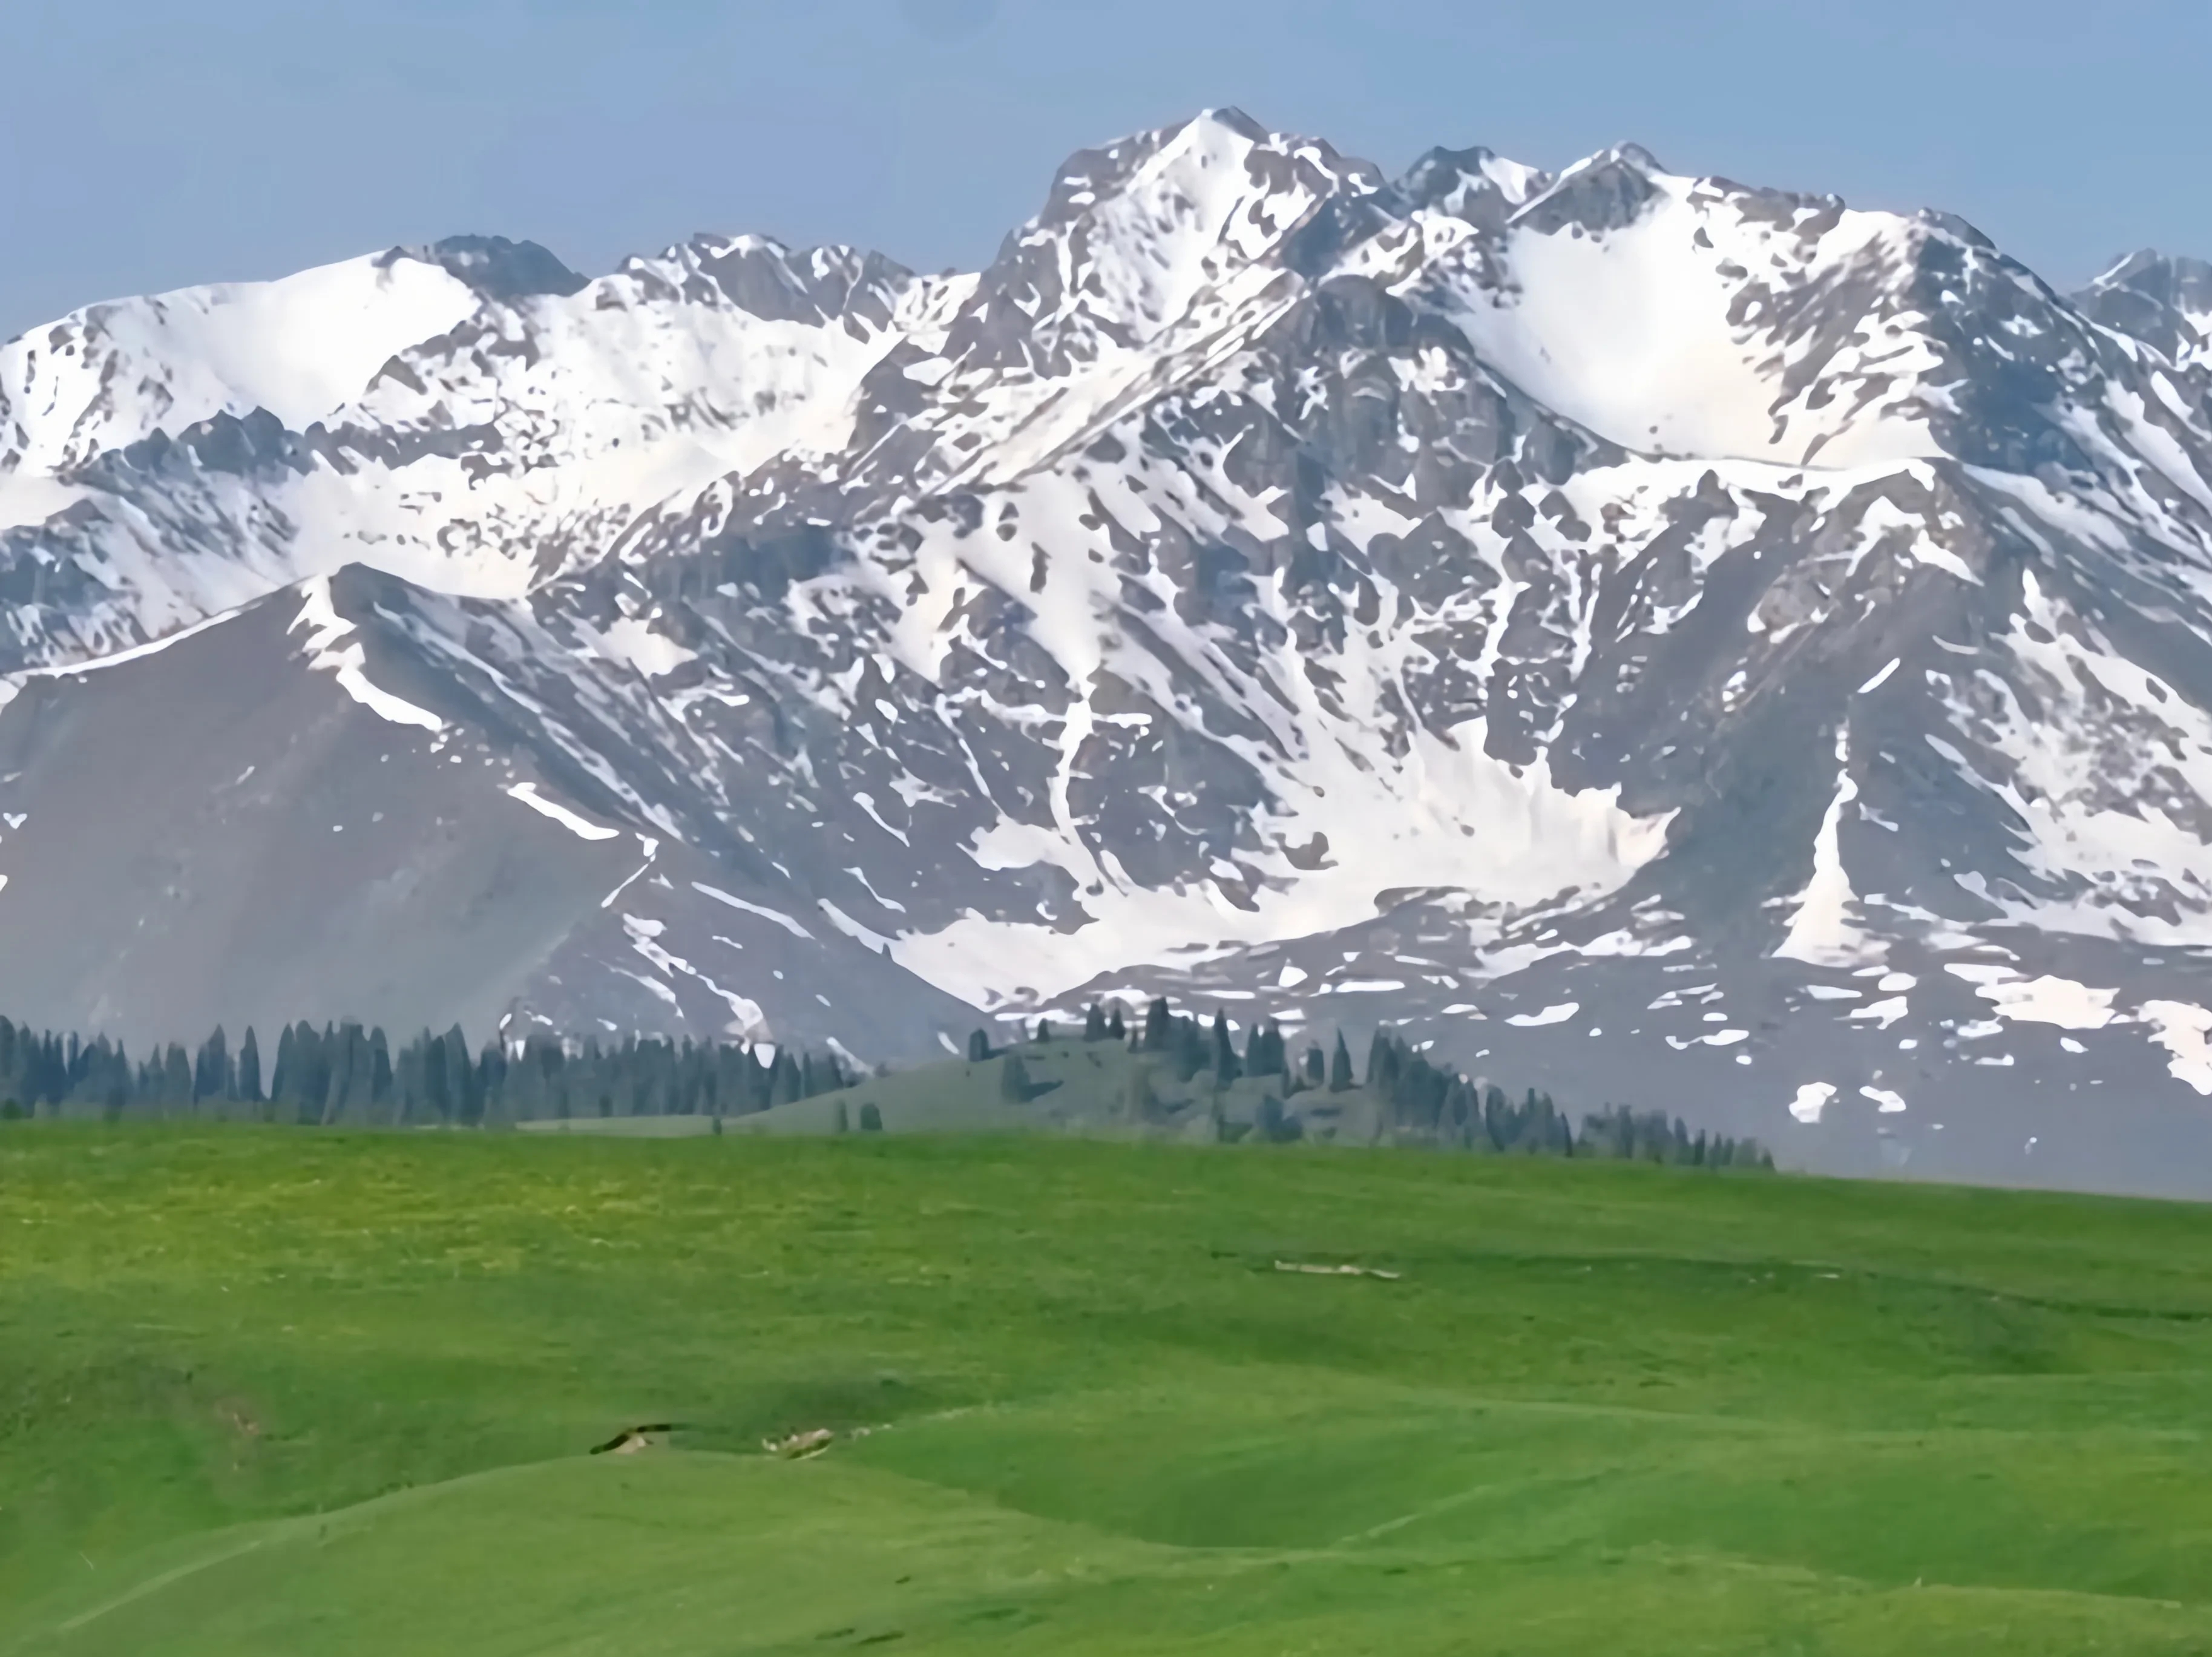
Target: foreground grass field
(267,1393)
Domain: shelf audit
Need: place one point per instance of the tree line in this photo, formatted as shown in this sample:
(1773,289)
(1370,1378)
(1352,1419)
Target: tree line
(1421,1103)
(343,1075)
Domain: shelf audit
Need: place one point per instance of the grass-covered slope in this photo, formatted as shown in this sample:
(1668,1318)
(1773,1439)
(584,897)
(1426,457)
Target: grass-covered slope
(1089,1087)
(265,1392)
(1107,1088)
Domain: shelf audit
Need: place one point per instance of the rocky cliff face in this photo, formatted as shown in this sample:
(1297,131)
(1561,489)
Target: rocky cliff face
(1673,643)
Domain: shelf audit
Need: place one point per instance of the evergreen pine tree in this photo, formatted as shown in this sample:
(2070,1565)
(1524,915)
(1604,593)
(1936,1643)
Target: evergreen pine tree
(1192,1051)
(427,1056)
(784,1083)
(1160,1027)
(1115,1029)
(1383,1058)
(176,1079)
(314,1048)
(249,1068)
(1094,1023)
(491,1085)
(380,1076)
(1339,1067)
(345,1092)
(211,1073)
(1223,1056)
(460,1078)
(1260,1059)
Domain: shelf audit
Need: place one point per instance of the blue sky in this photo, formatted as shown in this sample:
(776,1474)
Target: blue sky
(146,144)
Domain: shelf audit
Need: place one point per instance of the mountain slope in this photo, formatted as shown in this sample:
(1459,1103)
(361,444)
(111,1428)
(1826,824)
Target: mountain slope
(1672,641)
(352,806)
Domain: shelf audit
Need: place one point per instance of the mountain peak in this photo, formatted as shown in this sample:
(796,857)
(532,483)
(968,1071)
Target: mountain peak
(1475,184)
(1233,119)
(2164,300)
(494,266)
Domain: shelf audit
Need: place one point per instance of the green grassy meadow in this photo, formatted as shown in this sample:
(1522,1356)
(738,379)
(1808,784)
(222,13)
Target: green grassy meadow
(271,1392)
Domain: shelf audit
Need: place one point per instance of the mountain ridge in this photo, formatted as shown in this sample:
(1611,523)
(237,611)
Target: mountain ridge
(1479,594)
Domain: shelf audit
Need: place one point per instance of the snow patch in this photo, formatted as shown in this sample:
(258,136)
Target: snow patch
(582,827)
(1552,1015)
(1821,931)
(2044,1000)
(634,644)
(2185,1030)
(765,913)
(1812,1099)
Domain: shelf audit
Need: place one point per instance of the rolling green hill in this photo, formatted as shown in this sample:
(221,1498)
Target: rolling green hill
(1105,1087)
(264,1392)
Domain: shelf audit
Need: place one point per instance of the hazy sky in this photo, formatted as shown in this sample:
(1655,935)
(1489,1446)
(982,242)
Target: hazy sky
(147,145)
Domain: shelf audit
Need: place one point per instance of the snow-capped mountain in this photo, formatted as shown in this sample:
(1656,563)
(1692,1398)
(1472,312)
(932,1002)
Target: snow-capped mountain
(1664,641)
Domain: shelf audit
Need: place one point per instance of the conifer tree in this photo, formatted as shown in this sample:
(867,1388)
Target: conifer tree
(249,1068)
(784,1084)
(176,1079)
(211,1077)
(459,1075)
(1160,1027)
(490,1086)
(1223,1056)
(1339,1067)
(284,1077)
(1382,1063)
(1193,1052)
(380,1074)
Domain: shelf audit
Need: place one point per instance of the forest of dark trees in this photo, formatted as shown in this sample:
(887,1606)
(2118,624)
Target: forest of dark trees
(1422,1102)
(343,1075)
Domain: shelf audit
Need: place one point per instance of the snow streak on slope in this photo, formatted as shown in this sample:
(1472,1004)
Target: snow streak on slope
(1822,932)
